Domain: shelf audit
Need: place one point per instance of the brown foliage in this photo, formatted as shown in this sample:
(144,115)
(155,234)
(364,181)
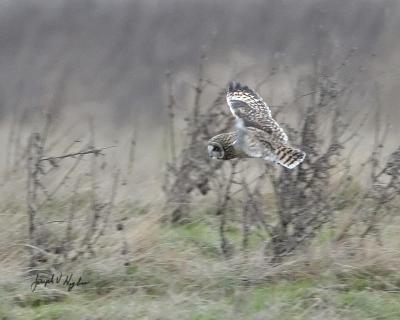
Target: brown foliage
(307,197)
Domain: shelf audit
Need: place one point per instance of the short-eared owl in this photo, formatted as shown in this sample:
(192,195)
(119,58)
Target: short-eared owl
(257,134)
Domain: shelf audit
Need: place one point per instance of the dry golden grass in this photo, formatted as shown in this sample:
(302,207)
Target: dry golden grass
(154,270)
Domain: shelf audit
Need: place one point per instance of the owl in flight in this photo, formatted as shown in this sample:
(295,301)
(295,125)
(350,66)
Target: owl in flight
(257,134)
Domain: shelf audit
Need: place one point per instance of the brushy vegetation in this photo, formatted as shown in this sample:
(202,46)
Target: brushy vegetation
(177,273)
(228,241)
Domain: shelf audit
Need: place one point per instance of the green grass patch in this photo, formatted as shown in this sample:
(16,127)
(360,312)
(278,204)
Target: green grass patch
(371,305)
(286,292)
(198,234)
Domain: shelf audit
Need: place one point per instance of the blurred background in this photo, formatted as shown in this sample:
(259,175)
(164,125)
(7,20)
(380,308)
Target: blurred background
(105,112)
(108,59)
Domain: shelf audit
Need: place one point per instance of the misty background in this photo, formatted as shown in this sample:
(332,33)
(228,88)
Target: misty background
(106,108)
(107,60)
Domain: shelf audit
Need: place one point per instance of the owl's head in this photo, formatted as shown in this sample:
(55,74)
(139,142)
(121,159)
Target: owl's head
(215,150)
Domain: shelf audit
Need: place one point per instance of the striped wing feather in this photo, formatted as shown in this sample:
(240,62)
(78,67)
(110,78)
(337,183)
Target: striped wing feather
(247,105)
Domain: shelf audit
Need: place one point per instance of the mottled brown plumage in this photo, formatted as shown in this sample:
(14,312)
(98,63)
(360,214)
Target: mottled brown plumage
(257,134)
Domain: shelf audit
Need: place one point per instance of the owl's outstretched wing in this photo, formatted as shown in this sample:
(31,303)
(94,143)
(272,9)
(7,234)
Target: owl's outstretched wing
(248,140)
(247,105)
(256,144)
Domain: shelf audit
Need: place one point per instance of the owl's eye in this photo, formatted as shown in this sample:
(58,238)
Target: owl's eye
(215,151)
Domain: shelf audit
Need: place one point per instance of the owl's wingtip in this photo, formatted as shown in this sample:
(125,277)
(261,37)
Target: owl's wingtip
(232,85)
(235,86)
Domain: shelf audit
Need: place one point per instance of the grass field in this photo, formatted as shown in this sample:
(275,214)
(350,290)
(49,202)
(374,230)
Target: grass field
(177,272)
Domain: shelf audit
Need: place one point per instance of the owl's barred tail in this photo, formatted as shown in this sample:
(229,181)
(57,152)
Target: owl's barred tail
(289,157)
